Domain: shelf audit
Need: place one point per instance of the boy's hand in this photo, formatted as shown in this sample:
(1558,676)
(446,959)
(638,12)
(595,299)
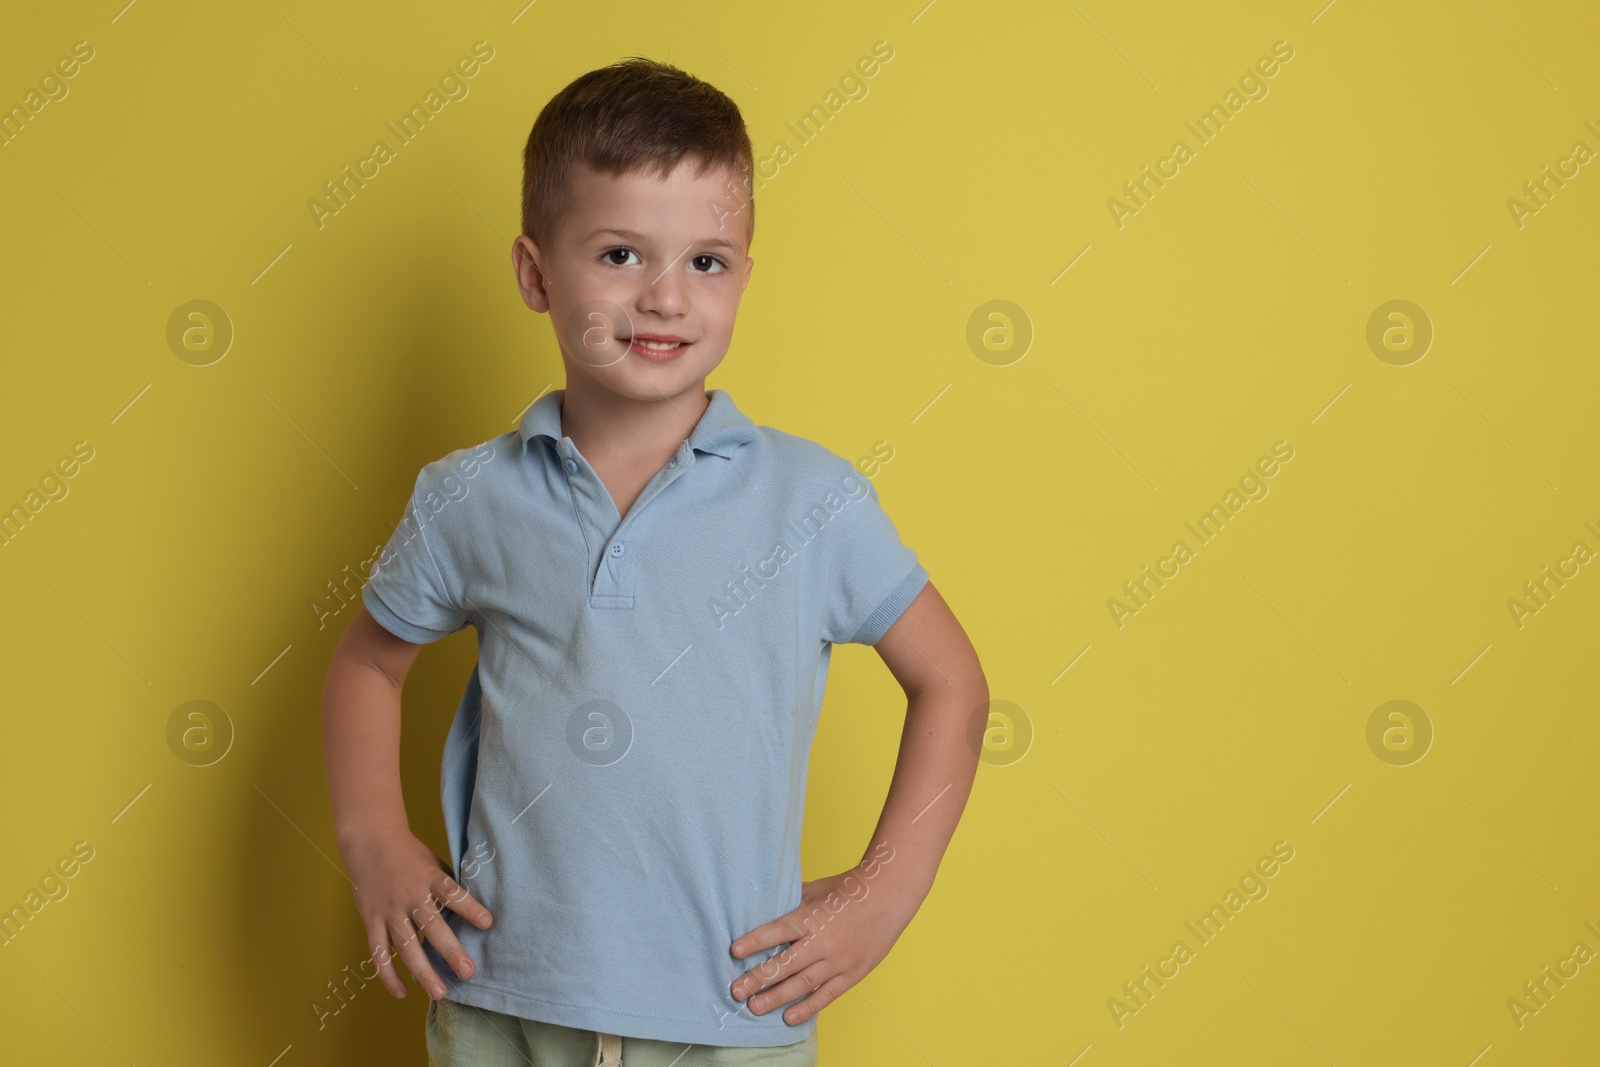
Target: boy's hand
(401,889)
(837,935)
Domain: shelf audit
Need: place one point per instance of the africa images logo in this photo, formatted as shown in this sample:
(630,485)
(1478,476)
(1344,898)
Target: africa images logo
(740,590)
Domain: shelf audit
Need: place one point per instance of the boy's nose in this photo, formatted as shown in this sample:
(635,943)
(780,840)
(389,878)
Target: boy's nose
(665,295)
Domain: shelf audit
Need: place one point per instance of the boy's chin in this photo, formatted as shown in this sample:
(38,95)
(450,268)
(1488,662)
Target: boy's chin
(639,379)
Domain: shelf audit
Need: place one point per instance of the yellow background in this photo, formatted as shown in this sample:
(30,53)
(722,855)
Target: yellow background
(1228,314)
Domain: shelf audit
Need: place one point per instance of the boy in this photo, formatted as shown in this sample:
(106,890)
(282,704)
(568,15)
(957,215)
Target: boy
(656,583)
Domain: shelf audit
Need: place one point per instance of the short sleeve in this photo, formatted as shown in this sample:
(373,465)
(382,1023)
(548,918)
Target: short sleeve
(872,576)
(407,592)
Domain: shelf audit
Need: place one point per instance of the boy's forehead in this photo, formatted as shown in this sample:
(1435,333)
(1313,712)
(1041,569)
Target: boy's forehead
(685,202)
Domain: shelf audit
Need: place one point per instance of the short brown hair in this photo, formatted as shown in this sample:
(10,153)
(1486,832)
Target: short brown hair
(636,115)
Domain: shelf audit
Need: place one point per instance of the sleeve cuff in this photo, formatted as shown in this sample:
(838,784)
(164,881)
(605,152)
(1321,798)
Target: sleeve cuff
(884,615)
(402,629)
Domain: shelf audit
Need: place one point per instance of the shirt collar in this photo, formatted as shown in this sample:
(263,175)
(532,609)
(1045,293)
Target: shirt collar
(722,427)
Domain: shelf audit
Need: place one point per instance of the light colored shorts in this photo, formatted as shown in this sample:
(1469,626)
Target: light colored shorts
(460,1035)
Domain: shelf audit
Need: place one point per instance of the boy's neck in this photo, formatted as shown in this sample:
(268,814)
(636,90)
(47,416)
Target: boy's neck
(609,428)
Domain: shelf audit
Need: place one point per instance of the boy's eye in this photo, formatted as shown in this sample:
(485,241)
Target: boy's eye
(705,263)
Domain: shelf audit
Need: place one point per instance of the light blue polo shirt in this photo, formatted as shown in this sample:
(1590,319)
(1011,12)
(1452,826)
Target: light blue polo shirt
(624,780)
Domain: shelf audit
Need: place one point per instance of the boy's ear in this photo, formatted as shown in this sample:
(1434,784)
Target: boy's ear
(531,280)
(748,263)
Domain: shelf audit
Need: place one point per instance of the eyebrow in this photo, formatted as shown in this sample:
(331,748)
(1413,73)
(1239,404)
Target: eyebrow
(630,235)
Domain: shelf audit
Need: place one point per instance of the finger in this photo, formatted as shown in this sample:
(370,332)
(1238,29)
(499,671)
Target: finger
(383,959)
(795,957)
(826,994)
(463,903)
(813,988)
(793,987)
(436,930)
(416,960)
(767,935)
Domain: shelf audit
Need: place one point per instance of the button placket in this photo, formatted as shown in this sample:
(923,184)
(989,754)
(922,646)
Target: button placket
(594,510)
(614,578)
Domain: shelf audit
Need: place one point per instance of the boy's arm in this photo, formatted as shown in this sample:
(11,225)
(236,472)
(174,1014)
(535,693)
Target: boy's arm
(401,885)
(846,923)
(947,707)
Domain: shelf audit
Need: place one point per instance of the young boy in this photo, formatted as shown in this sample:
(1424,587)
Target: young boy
(656,583)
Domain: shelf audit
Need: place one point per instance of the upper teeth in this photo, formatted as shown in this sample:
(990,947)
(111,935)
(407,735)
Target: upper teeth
(660,346)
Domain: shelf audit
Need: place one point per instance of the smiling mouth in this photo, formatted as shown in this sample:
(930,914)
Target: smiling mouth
(655,351)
